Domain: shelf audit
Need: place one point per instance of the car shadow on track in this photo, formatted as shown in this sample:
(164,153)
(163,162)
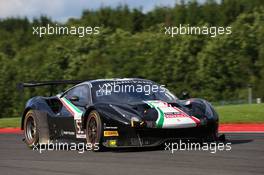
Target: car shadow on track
(239,141)
(134,149)
(233,139)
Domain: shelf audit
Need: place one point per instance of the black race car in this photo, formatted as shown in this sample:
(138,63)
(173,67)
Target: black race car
(117,113)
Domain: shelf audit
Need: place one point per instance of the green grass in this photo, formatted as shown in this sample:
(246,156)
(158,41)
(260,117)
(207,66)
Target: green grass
(228,114)
(245,113)
(10,122)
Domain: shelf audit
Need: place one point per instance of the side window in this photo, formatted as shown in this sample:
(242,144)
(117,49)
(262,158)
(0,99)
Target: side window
(80,91)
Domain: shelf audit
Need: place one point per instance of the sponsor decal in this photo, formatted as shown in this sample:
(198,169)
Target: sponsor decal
(110,127)
(110,133)
(112,143)
(172,117)
(68,133)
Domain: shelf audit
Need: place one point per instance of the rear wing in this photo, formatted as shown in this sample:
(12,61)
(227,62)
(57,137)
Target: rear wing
(47,83)
(52,84)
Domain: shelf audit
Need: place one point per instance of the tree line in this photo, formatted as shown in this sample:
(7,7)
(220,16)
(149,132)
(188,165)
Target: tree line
(132,43)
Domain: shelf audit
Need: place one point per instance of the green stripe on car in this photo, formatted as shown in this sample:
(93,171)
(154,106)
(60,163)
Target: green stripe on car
(74,107)
(161,118)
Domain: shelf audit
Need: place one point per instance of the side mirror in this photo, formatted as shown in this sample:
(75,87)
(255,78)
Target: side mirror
(74,98)
(185,95)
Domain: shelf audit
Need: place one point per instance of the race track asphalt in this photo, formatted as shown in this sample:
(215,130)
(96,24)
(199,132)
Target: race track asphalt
(245,157)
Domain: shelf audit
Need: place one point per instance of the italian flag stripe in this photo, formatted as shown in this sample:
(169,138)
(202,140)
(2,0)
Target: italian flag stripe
(161,118)
(171,117)
(76,112)
(72,106)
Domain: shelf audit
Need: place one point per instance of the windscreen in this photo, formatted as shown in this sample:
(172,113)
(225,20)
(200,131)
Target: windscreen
(130,91)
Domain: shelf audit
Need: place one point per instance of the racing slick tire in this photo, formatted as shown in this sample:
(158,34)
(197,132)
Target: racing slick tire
(36,130)
(94,131)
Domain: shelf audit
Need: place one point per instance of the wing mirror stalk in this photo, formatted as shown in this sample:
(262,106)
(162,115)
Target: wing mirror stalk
(75,98)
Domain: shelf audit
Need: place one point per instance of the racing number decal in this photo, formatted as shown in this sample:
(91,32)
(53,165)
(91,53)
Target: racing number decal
(78,128)
(171,117)
(77,115)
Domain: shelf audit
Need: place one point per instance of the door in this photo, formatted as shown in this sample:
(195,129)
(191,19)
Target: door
(74,104)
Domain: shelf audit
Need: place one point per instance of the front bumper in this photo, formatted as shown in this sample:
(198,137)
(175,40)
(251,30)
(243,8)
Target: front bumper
(148,137)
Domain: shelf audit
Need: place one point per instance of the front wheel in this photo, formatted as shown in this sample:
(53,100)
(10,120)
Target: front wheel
(212,135)
(94,131)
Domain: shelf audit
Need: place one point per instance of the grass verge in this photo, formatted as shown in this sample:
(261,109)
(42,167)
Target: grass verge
(253,113)
(10,122)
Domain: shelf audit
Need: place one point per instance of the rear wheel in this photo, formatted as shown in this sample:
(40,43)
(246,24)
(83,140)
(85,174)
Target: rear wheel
(36,128)
(30,129)
(94,131)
